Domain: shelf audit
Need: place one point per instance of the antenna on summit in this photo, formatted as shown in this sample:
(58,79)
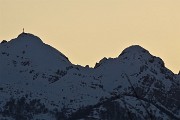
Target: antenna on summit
(23,30)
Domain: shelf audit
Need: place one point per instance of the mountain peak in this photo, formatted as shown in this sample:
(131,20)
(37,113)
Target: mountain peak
(137,54)
(28,37)
(134,49)
(23,34)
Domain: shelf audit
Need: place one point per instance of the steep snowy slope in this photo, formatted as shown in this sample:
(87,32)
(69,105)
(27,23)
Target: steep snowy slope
(35,71)
(142,82)
(28,51)
(39,82)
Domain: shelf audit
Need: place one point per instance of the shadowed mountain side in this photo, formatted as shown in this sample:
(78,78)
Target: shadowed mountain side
(39,82)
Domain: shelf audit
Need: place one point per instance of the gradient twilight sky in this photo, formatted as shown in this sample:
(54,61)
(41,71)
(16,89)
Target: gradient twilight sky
(88,30)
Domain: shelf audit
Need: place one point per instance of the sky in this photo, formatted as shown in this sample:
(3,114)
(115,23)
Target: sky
(88,30)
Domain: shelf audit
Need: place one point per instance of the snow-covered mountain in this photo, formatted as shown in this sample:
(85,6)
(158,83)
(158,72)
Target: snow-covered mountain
(37,82)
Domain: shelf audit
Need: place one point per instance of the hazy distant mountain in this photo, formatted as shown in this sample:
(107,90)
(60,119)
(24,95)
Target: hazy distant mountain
(38,82)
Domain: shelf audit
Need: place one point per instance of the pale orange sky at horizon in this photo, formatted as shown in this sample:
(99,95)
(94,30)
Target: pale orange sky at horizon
(88,30)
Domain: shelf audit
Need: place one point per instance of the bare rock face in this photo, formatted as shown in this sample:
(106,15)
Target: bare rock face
(39,82)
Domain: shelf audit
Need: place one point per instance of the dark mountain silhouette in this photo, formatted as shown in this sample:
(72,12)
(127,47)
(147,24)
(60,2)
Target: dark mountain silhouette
(37,82)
